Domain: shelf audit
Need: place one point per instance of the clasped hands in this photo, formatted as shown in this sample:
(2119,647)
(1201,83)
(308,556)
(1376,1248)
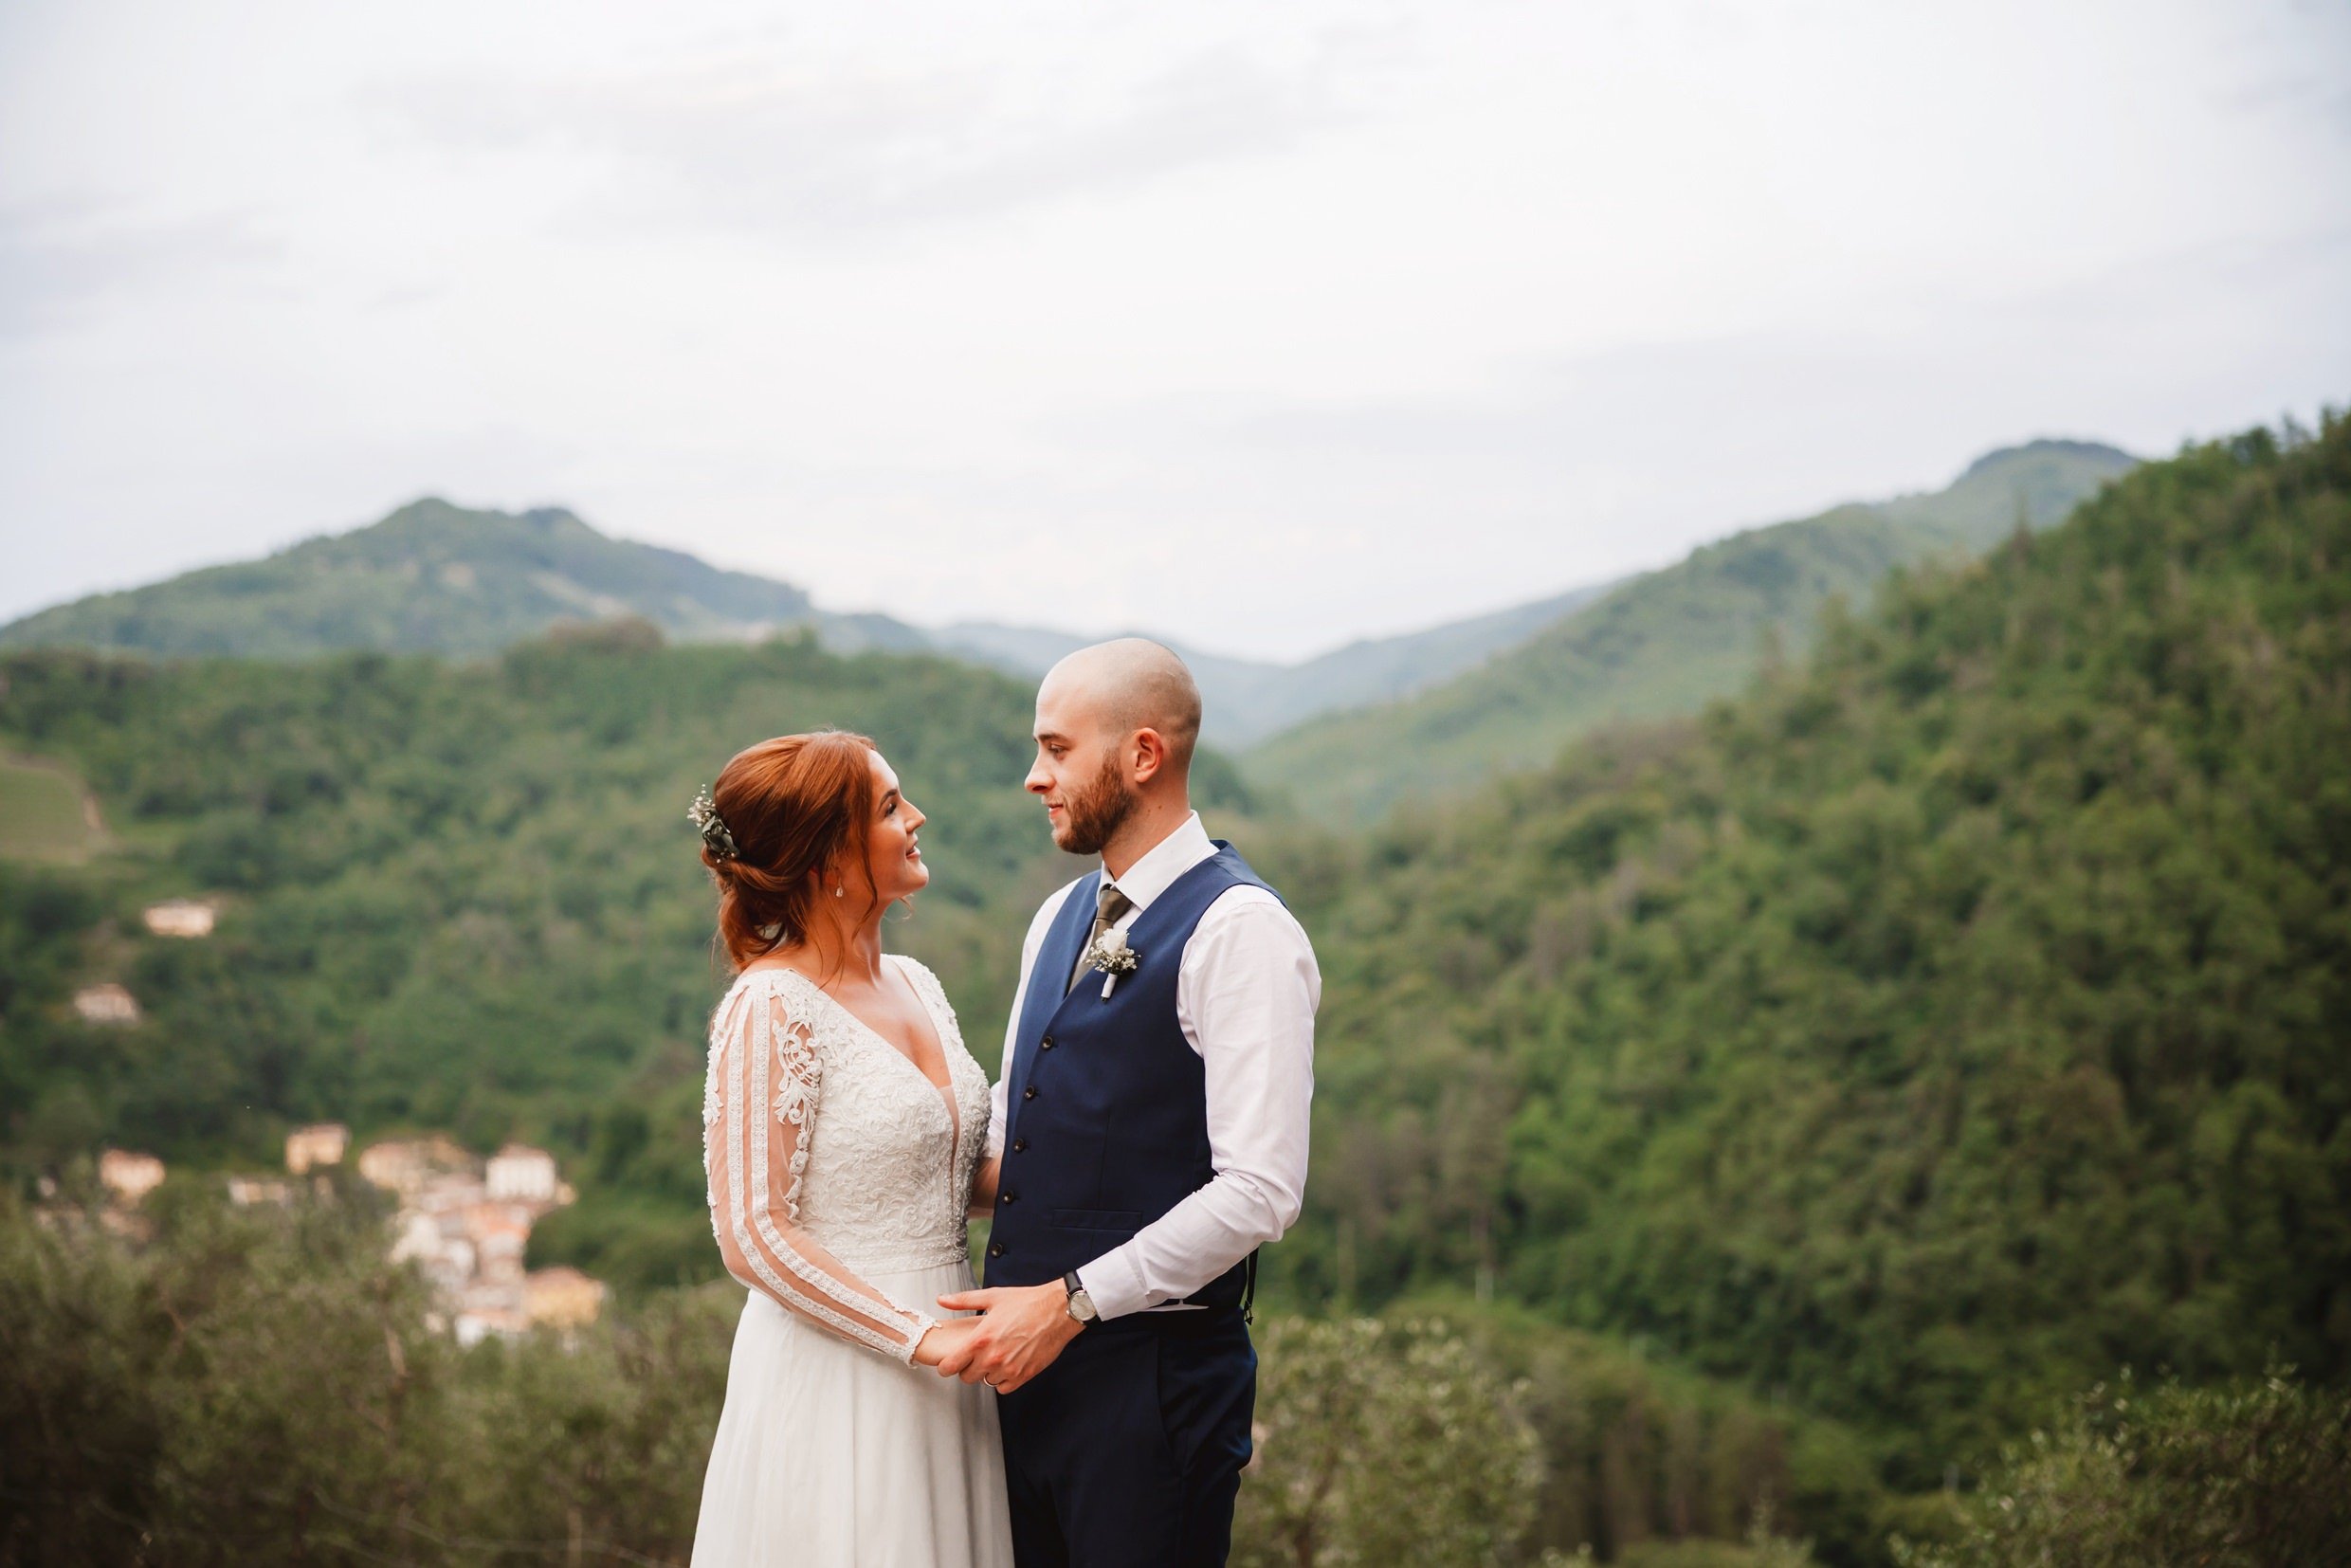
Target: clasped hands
(1019,1332)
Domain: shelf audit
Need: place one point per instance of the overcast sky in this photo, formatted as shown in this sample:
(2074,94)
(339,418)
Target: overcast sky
(1263,325)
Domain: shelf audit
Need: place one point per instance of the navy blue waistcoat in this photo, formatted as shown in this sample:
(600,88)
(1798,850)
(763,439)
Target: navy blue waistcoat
(1108,1122)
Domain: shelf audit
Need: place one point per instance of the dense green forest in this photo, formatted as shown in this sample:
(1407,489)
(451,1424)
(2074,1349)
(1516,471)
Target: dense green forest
(1663,645)
(458,896)
(1940,1026)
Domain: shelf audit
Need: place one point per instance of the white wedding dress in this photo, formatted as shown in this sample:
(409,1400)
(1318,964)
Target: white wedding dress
(839,1176)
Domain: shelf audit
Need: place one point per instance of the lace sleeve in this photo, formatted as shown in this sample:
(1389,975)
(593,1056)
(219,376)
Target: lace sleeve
(760,1110)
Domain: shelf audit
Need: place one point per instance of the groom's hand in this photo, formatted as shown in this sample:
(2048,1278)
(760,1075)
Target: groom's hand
(1022,1328)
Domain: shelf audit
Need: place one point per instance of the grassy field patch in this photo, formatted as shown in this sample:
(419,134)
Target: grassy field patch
(42,813)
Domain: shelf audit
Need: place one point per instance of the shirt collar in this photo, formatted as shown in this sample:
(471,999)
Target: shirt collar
(1157,871)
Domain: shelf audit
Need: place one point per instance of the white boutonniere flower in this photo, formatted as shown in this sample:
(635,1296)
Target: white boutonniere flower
(1110,954)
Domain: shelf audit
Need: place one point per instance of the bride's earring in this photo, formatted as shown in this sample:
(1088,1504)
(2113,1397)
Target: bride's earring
(838,891)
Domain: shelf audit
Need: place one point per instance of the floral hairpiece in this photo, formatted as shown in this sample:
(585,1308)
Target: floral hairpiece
(703,814)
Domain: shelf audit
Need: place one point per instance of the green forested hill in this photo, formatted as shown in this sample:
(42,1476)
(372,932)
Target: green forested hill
(457,896)
(1944,1024)
(1665,644)
(433,578)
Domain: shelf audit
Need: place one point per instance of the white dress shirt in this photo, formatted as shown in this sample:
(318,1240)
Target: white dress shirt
(1244,998)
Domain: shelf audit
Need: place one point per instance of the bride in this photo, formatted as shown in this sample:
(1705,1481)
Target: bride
(843,1124)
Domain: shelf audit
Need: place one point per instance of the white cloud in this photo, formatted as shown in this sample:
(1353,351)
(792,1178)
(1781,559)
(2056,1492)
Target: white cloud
(824,153)
(1336,318)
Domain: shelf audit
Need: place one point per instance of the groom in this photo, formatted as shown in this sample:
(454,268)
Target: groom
(1152,1121)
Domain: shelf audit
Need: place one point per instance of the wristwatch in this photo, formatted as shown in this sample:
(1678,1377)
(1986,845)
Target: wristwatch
(1081,1304)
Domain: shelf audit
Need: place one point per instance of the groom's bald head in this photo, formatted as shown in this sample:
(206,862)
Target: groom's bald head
(1118,687)
(1116,726)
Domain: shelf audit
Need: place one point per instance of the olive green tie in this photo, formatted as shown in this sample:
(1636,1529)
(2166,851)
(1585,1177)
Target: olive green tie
(1109,905)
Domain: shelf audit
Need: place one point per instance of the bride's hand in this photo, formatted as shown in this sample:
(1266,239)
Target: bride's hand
(943,1339)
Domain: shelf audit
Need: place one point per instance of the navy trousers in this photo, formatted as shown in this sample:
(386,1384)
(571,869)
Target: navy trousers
(1127,1453)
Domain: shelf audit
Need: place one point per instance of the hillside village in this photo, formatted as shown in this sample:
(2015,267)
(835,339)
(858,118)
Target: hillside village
(465,1222)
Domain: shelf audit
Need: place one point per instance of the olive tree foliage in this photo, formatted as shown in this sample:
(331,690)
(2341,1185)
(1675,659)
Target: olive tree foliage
(264,1387)
(2251,1475)
(1383,1443)
(1760,1549)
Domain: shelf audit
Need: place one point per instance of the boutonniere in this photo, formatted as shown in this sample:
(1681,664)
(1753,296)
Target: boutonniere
(1110,954)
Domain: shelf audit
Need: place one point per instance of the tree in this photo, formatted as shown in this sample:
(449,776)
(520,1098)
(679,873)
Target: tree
(1381,1443)
(2249,1475)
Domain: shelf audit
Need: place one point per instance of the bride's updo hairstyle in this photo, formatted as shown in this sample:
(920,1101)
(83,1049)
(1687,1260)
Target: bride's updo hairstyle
(800,808)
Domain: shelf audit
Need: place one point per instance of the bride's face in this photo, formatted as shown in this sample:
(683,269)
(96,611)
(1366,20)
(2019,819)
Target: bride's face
(892,854)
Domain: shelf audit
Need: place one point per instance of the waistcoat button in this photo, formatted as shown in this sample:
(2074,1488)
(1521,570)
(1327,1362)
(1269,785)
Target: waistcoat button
(1029,1093)
(1046,1044)
(1008,1197)
(1020,1145)
(996,1250)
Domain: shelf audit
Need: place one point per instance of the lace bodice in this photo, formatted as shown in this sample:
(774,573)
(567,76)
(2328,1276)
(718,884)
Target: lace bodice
(830,1157)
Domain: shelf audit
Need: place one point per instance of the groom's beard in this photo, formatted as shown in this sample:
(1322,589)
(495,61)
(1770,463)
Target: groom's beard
(1093,813)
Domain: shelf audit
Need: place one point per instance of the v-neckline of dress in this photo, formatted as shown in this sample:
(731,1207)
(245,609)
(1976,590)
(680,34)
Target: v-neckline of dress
(946,1091)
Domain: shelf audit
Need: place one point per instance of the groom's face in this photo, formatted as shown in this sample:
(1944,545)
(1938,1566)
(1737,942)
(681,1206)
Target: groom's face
(1079,773)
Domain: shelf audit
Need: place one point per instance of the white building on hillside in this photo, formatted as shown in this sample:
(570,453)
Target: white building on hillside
(129,1176)
(466,1225)
(479,1321)
(405,1165)
(106,1004)
(180,918)
(561,1296)
(244,1192)
(322,1143)
(520,1173)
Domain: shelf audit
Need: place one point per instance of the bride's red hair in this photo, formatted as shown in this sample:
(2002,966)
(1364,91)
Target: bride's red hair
(800,808)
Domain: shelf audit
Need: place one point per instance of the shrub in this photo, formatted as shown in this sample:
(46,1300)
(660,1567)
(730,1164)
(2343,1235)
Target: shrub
(2248,1476)
(1382,1443)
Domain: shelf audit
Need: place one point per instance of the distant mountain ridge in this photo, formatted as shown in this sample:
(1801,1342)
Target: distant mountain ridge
(1668,642)
(1249,699)
(435,577)
(1358,727)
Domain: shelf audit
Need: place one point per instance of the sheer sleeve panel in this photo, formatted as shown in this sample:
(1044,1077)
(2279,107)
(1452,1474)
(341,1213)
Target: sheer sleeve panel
(766,1078)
